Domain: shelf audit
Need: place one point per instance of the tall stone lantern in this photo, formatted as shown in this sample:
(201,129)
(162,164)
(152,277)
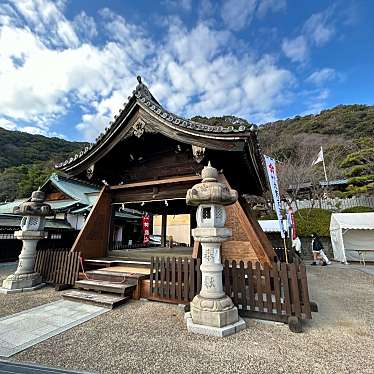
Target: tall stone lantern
(212,312)
(32,230)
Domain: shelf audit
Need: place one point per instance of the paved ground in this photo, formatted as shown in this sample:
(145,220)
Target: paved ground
(146,337)
(29,327)
(7,367)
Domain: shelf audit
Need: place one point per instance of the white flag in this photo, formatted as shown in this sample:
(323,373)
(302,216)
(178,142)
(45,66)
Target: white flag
(319,158)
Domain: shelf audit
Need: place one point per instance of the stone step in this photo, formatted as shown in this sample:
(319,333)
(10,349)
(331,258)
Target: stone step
(104,300)
(106,286)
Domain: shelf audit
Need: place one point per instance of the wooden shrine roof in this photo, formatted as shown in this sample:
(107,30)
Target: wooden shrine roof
(143,113)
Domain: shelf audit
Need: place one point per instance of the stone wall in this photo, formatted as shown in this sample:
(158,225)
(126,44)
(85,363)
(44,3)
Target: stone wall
(306,245)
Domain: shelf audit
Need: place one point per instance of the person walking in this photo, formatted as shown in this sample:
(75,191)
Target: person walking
(296,246)
(317,250)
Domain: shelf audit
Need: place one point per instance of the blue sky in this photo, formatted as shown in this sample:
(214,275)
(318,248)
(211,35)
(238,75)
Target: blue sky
(67,67)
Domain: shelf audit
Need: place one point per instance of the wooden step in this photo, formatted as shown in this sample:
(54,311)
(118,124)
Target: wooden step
(106,286)
(115,277)
(112,261)
(104,300)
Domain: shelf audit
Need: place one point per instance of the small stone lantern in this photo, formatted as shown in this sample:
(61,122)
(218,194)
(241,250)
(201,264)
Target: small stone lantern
(32,230)
(212,311)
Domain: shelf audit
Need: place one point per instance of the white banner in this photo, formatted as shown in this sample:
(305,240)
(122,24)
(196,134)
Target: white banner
(273,180)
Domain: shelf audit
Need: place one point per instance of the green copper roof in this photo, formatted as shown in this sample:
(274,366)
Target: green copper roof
(56,205)
(12,220)
(75,189)
(8,207)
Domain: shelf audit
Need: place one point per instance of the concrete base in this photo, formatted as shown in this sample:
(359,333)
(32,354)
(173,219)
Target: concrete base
(213,331)
(22,283)
(18,290)
(214,312)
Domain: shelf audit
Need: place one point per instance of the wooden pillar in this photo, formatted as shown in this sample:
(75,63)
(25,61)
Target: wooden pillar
(193,225)
(163,229)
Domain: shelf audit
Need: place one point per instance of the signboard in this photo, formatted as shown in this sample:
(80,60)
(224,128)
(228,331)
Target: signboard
(145,224)
(273,180)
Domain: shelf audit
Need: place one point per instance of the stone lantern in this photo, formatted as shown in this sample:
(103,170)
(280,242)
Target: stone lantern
(32,230)
(212,312)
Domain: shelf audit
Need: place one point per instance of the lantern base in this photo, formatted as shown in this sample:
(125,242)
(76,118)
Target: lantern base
(213,312)
(227,330)
(21,283)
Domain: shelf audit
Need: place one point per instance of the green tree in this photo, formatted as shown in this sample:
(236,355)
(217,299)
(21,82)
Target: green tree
(35,177)
(359,168)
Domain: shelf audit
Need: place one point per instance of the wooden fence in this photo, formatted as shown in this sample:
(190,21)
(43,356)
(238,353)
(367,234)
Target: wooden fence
(175,280)
(259,291)
(271,293)
(57,266)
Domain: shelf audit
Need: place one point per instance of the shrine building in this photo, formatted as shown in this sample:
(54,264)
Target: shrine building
(146,160)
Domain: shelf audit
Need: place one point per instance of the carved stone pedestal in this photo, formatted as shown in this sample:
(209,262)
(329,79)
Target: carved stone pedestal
(22,283)
(25,279)
(213,312)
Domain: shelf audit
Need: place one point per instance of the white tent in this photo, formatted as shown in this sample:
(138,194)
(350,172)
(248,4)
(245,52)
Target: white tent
(351,232)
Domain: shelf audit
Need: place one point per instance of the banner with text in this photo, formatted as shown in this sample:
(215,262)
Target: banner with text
(145,224)
(273,180)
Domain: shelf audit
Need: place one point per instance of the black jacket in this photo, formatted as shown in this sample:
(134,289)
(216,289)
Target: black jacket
(317,245)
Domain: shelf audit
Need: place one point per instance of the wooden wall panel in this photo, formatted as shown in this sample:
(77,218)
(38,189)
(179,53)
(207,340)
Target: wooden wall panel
(238,250)
(247,231)
(93,238)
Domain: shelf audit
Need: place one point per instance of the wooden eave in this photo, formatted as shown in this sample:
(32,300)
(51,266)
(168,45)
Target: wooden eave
(144,108)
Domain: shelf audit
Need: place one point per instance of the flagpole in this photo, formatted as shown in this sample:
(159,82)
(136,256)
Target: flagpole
(324,166)
(285,249)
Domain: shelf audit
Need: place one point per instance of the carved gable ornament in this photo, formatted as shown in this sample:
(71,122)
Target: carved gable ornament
(139,128)
(198,153)
(90,171)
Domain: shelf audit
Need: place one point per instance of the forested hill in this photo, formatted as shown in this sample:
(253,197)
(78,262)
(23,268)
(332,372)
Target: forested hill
(27,160)
(335,129)
(345,132)
(19,148)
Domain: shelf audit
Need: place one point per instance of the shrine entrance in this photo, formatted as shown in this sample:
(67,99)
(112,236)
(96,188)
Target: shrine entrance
(164,221)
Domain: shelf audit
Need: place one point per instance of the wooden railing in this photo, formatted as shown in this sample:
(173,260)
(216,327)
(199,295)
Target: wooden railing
(272,293)
(175,280)
(57,266)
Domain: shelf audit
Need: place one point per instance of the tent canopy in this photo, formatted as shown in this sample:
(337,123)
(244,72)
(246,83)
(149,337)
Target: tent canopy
(355,221)
(350,233)
(271,225)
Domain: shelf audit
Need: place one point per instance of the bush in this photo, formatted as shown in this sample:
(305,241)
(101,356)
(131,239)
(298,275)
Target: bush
(358,209)
(313,220)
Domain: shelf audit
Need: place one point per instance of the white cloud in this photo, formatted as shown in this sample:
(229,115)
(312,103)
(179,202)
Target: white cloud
(322,76)
(266,6)
(85,25)
(319,27)
(47,19)
(7,125)
(185,5)
(192,71)
(317,30)
(238,13)
(296,49)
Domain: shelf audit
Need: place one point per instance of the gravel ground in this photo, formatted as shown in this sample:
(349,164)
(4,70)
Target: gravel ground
(10,304)
(149,337)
